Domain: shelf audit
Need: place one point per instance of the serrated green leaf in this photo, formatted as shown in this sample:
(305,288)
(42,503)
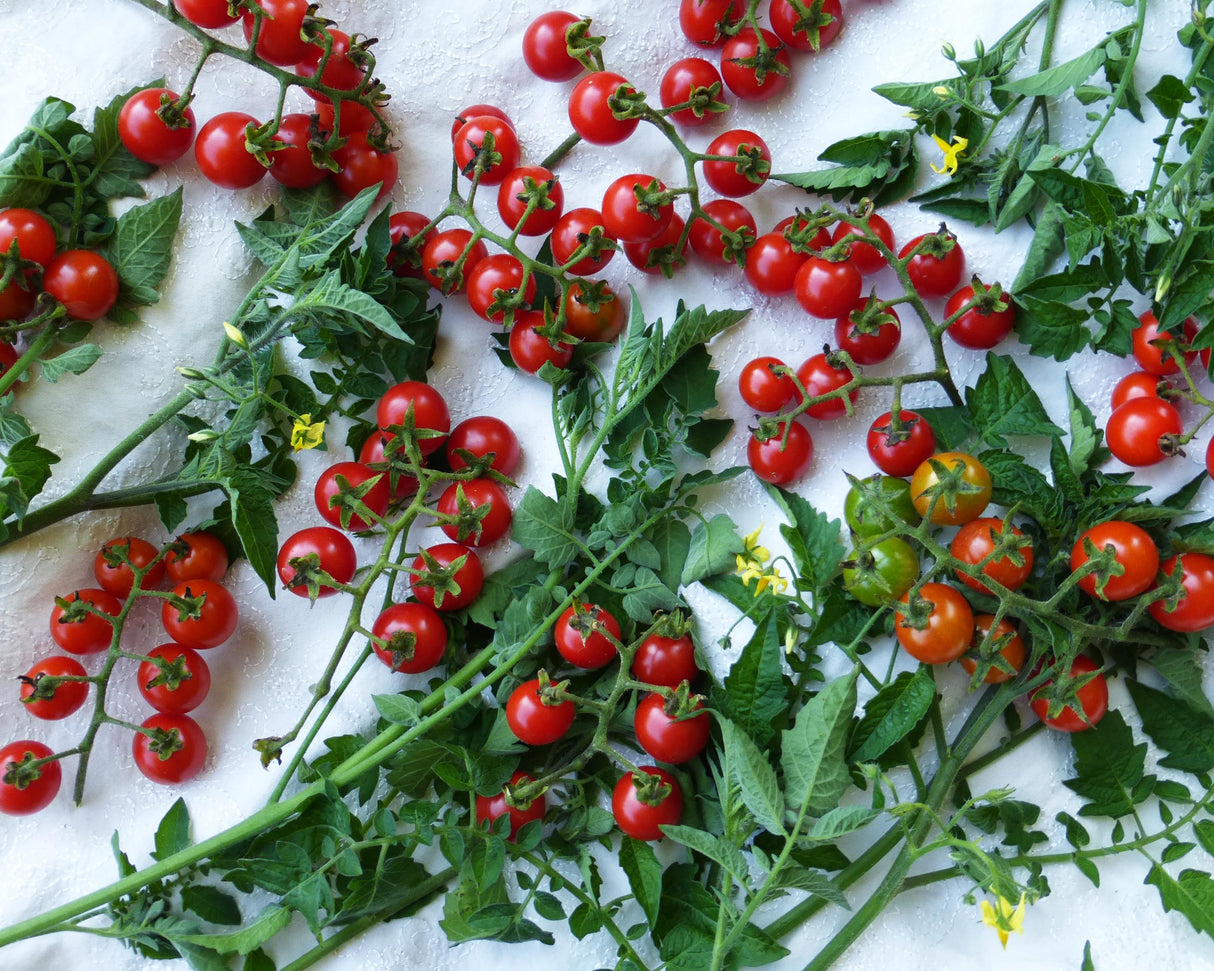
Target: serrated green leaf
(398,709)
(1184,672)
(714,544)
(813,751)
(142,246)
(1185,735)
(644,872)
(812,536)
(255,522)
(1192,894)
(840,821)
(545,526)
(1109,768)
(1058,79)
(753,694)
(716,848)
(173,833)
(891,715)
(1170,95)
(1002,403)
(75,360)
(755,777)
(211,904)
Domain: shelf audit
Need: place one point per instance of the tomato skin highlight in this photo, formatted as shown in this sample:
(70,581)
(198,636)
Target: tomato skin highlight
(640,820)
(1195,608)
(38,794)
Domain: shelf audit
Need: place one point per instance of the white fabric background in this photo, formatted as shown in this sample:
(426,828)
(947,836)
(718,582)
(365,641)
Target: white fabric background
(436,58)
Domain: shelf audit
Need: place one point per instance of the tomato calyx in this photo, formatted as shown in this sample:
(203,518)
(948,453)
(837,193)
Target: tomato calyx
(749,161)
(991,639)
(24,772)
(1062,693)
(985,300)
(401,644)
(584,47)
(308,574)
(552,694)
(467,519)
(764,61)
(704,101)
(951,487)
(916,611)
(1101,564)
(348,499)
(171,673)
(591,245)
(626,103)
(811,20)
(589,619)
(163,742)
(937,245)
(870,316)
(439,576)
(807,231)
(650,789)
(484,157)
(43,686)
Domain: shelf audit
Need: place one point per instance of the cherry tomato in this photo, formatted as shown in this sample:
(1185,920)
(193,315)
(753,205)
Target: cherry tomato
(1155,351)
(374,455)
(221,154)
(663,250)
(977,329)
(414,636)
(690,81)
(196,556)
(751,73)
(90,633)
(708,22)
(639,819)
(469,577)
(178,689)
(1139,384)
(530,350)
(114,561)
(208,622)
(443,251)
(574,230)
(362,165)
(781,462)
(734,178)
(877,504)
(340,73)
(706,240)
(23,799)
(1134,551)
(948,629)
(972,498)
(9,355)
(474,111)
(1013,651)
(931,275)
(900,453)
(354,117)
(772,264)
(1093,698)
(533,720)
(147,135)
(16,302)
(1210,458)
(419,404)
(291,165)
(665,738)
(83,281)
(279,40)
(865,256)
(175,751)
(628,219)
(665,661)
(975,541)
(65,698)
(811,35)
(470,146)
(827,290)
(481,436)
(316,548)
(594,315)
(1195,608)
(488,500)
(818,376)
(882,573)
(796,228)
(580,644)
(1143,431)
(497,277)
(546,50)
(34,236)
(208,14)
(513,199)
(590,111)
(868,346)
(341,510)
(762,388)
(491,808)
(404,227)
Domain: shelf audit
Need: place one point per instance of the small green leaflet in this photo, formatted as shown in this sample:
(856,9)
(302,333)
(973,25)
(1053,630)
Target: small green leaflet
(812,537)
(755,777)
(1002,402)
(1059,79)
(1109,768)
(714,544)
(1192,894)
(892,714)
(75,360)
(644,872)
(142,245)
(754,694)
(545,527)
(173,833)
(1186,735)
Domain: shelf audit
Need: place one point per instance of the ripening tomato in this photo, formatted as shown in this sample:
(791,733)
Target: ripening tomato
(1156,352)
(762,388)
(27,795)
(1093,698)
(593,314)
(1013,652)
(580,642)
(1133,550)
(1144,431)
(1194,610)
(878,504)
(65,698)
(947,628)
(973,488)
(491,808)
(170,748)
(414,637)
(881,573)
(975,541)
(641,810)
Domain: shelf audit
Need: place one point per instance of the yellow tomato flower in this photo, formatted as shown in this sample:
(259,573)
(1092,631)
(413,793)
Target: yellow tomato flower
(1005,918)
(951,152)
(751,565)
(306,433)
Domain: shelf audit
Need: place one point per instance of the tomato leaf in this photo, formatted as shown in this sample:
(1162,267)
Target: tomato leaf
(714,544)
(1061,78)
(1192,894)
(75,360)
(1185,734)
(754,693)
(644,872)
(749,767)
(397,709)
(252,514)
(545,526)
(1002,402)
(141,247)
(716,848)
(813,750)
(892,714)
(1109,768)
(813,538)
(173,833)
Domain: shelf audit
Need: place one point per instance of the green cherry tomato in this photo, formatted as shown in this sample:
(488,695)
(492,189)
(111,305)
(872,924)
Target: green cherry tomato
(882,573)
(878,503)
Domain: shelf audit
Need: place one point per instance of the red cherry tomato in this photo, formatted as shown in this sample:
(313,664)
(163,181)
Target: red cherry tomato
(1133,550)
(487,499)
(340,73)
(626,218)
(1139,384)
(827,290)
(469,577)
(663,250)
(221,154)
(666,739)
(546,50)
(422,405)
(976,329)
(975,541)
(1093,698)
(866,257)
(291,165)
(948,629)
(341,510)
(530,350)
(481,436)
(810,36)
(763,389)
(665,661)
(495,278)
(474,111)
(781,462)
(1143,431)
(279,38)
(114,562)
(208,14)
(930,275)
(406,227)
(470,145)
(1013,651)
(414,636)
(597,315)
(818,377)
(1155,351)
(515,194)
(642,820)
(868,347)
(374,455)
(65,698)
(361,165)
(689,81)
(533,720)
(573,231)
(34,236)
(491,808)
(444,251)
(206,620)
(772,264)
(175,751)
(1194,609)
(28,796)
(83,281)
(147,135)
(590,111)
(178,689)
(708,22)
(733,178)
(196,556)
(750,73)
(580,644)
(316,547)
(354,117)
(706,240)
(90,632)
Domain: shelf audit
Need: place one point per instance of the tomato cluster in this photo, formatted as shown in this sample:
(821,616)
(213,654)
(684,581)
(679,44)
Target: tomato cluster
(198,613)
(342,140)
